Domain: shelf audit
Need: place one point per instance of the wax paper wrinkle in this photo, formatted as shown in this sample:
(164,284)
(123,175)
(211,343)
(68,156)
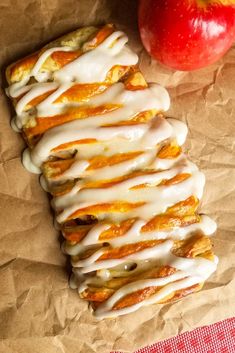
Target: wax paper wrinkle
(38,311)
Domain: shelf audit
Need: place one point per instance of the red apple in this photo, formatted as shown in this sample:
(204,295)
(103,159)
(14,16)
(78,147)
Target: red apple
(187,34)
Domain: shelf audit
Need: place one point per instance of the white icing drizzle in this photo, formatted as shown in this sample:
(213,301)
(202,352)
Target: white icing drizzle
(147,135)
(18,88)
(43,57)
(154,97)
(34,91)
(94,65)
(164,163)
(43,108)
(146,138)
(44,183)
(134,235)
(26,160)
(158,199)
(78,168)
(14,126)
(105,310)
(91,265)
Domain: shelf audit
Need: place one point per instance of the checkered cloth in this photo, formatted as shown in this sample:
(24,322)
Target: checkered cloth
(217,338)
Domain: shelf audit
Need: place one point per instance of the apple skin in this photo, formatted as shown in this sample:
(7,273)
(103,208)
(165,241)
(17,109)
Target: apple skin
(187,34)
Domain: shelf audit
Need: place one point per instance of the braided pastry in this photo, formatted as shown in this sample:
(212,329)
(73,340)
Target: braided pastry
(125,196)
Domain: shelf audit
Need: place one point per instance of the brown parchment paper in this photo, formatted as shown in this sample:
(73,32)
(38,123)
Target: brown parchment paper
(38,312)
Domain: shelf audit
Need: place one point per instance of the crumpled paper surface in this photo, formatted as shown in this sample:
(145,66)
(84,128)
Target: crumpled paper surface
(38,312)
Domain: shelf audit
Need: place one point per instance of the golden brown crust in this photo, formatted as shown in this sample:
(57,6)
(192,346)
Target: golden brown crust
(169,151)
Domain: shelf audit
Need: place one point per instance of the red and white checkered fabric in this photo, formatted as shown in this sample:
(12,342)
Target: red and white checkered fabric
(217,338)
